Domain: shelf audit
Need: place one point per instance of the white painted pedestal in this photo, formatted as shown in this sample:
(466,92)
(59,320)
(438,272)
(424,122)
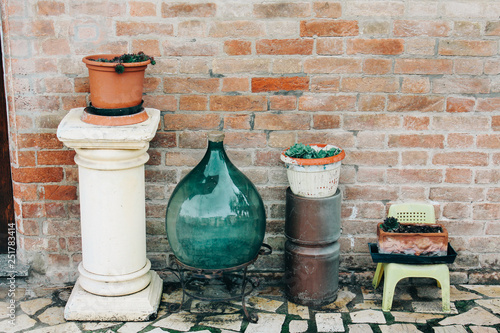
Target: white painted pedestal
(115,282)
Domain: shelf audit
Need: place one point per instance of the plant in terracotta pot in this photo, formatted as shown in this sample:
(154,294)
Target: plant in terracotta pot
(413,239)
(313,170)
(116,81)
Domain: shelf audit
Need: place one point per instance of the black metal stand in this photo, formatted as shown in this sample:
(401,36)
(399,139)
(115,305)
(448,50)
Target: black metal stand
(189,277)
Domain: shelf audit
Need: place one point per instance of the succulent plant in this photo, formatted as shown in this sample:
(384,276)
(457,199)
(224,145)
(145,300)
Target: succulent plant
(299,150)
(390,223)
(127,58)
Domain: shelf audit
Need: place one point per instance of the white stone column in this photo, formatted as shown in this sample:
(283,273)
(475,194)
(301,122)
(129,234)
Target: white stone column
(115,282)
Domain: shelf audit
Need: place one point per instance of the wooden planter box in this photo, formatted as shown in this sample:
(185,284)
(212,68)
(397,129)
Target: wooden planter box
(431,244)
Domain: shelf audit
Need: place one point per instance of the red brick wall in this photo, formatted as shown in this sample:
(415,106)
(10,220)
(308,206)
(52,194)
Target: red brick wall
(410,89)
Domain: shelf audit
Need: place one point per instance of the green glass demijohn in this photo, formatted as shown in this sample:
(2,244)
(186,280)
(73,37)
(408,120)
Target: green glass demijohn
(215,217)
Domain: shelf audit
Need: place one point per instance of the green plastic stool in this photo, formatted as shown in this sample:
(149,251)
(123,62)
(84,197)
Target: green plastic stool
(412,213)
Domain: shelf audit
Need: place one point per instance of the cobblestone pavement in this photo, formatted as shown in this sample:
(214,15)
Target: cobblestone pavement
(416,308)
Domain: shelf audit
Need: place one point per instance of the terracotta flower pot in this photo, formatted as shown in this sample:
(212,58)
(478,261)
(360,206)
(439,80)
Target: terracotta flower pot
(110,90)
(433,244)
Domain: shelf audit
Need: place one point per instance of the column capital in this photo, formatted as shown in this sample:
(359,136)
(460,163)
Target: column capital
(75,133)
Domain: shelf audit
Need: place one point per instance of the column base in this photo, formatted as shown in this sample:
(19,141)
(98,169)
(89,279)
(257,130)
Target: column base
(141,306)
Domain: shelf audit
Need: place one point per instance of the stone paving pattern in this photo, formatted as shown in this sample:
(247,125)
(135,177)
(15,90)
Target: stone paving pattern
(416,308)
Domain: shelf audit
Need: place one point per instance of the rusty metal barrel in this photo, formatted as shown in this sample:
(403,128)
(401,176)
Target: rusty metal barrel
(312,251)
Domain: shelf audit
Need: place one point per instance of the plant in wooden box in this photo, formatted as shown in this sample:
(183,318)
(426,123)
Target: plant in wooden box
(413,239)
(116,85)
(313,170)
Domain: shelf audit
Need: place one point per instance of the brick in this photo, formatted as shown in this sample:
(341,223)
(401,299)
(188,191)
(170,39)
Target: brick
(417,28)
(486,211)
(329,46)
(235,84)
(416,123)
(377,66)
(192,140)
(466,29)
(237,47)
(149,46)
(163,140)
(456,194)
(329,65)
(282,122)
(328,28)
(458,176)
(28,227)
(59,157)
(369,84)
(337,138)
(190,85)
(287,65)
(327,9)
(375,46)
(191,28)
(489,141)
(416,141)
(58,260)
(55,46)
(461,158)
(238,103)
(420,46)
(495,123)
(371,122)
(178,122)
(37,175)
(327,103)
(142,28)
(411,176)
(25,192)
(282,103)
(142,9)
(59,192)
(488,104)
(284,46)
(475,48)
(246,65)
(99,9)
(182,159)
(161,102)
(325,84)
(193,103)
(268,159)
(460,140)
(71,102)
(469,66)
(487,176)
(492,28)
(371,158)
(245,140)
(263,84)
(26,158)
(33,210)
(415,85)
(415,103)
(55,210)
(189,48)
(369,139)
(371,103)
(369,175)
(280,140)
(236,29)
(376,28)
(371,193)
(237,121)
(62,228)
(423,66)
(49,8)
(454,104)
(271,10)
(459,123)
(493,194)
(188,9)
(326,121)
(371,9)
(414,157)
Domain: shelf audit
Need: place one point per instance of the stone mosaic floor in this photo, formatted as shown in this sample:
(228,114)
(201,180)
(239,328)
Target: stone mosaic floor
(416,308)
